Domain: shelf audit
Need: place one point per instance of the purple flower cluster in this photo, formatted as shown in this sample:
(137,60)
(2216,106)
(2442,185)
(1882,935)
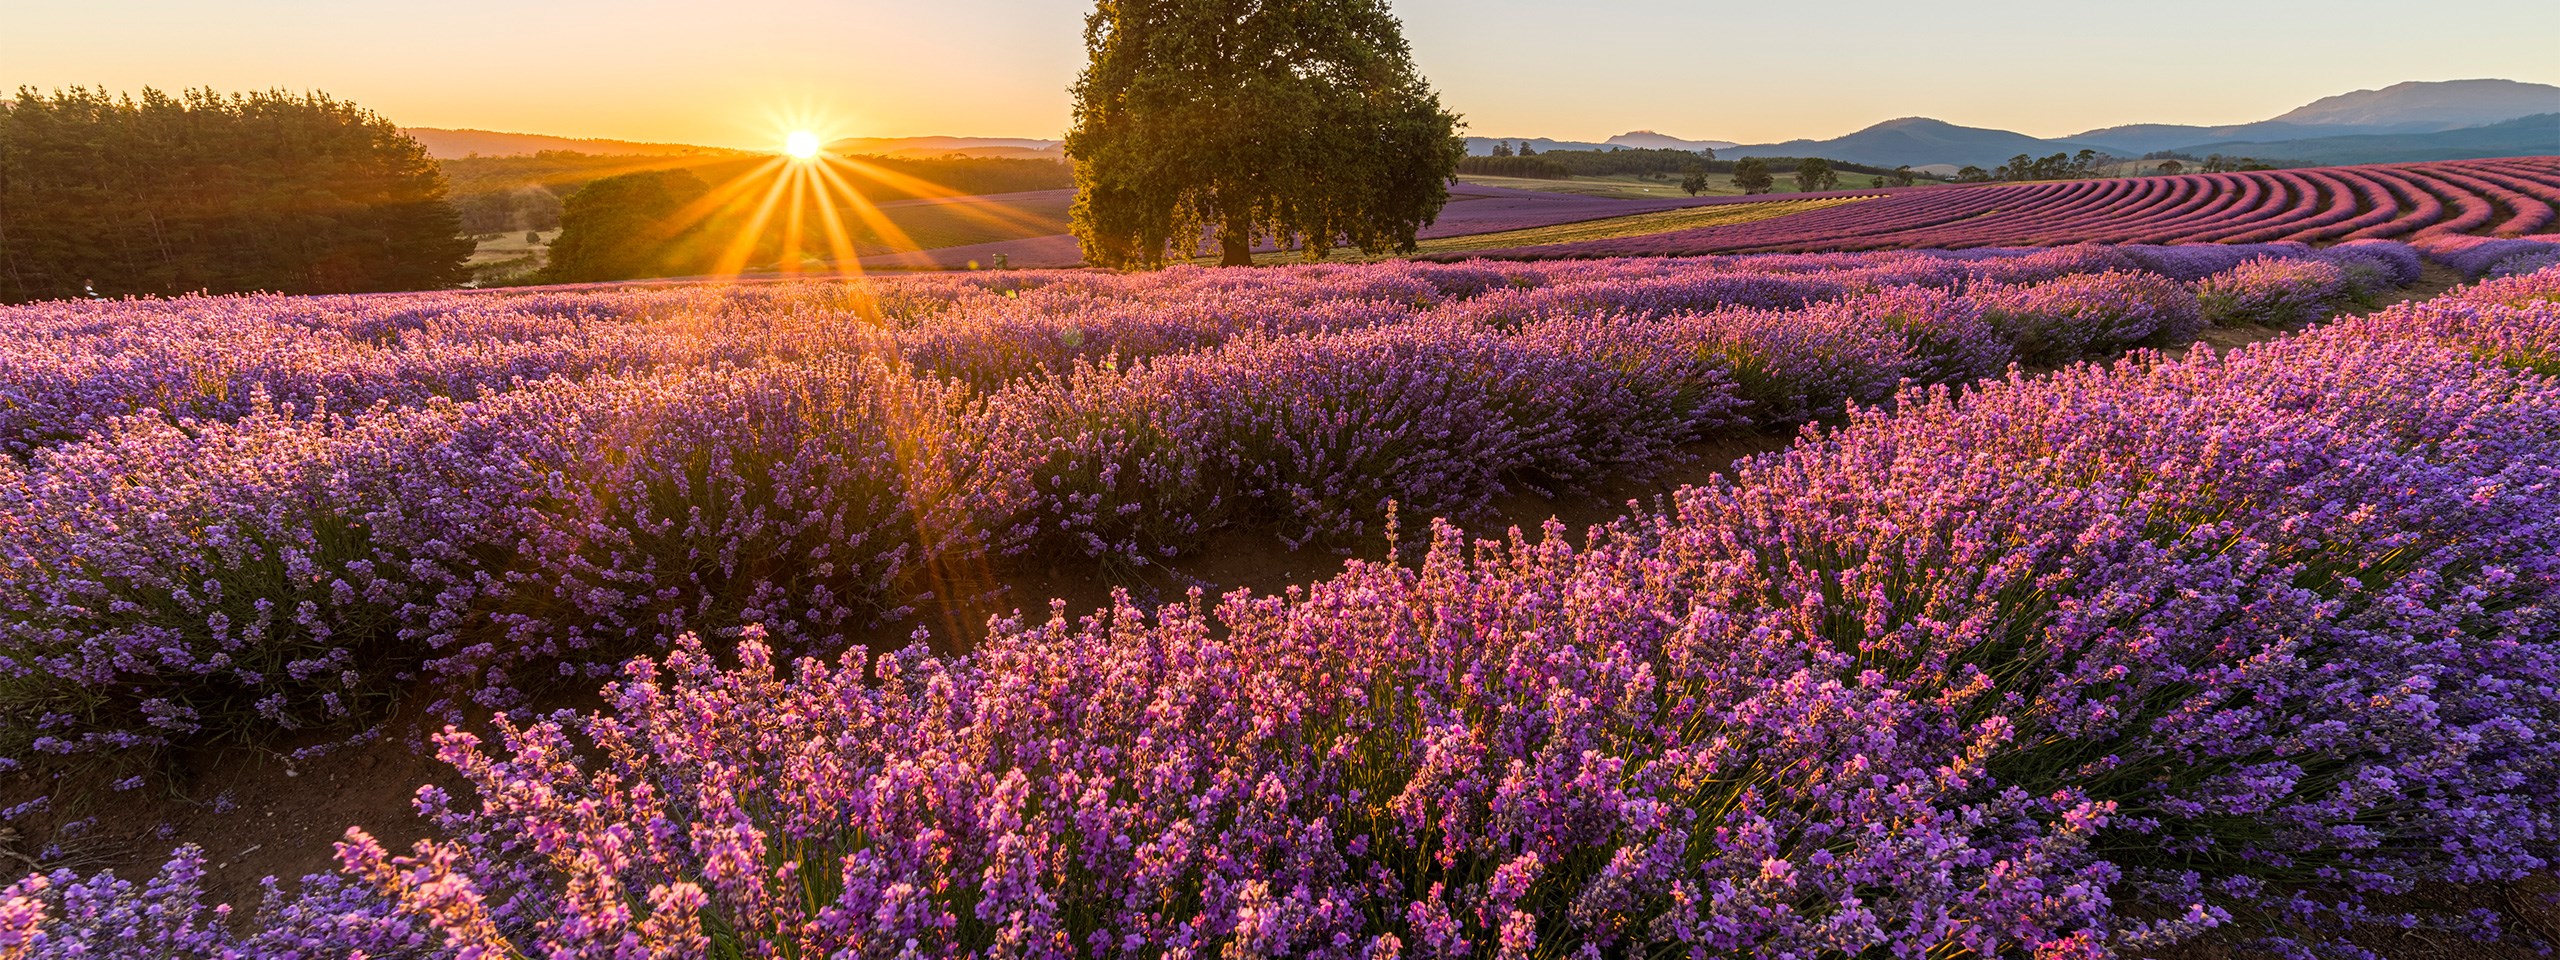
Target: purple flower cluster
(2091,315)
(62,916)
(2272,293)
(2479,256)
(2421,202)
(68,369)
(2072,666)
(839,456)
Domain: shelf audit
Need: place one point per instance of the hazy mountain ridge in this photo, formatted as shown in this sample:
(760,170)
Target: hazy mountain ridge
(1915,141)
(2448,104)
(2418,120)
(2527,136)
(445,144)
(946,146)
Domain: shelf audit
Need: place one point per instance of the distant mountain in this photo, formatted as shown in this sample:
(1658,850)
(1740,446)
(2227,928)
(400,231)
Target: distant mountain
(946,146)
(2419,120)
(2442,105)
(1915,141)
(2401,108)
(2530,136)
(444,144)
(2141,138)
(1649,140)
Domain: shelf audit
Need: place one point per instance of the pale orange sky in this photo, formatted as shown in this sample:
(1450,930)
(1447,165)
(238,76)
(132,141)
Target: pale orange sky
(742,75)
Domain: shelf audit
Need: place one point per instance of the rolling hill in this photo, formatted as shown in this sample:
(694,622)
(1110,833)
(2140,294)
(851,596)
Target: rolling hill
(2444,105)
(444,144)
(1915,141)
(2530,136)
(948,146)
(2419,120)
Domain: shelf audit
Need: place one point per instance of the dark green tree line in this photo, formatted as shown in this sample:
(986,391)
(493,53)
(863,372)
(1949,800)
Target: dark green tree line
(632,226)
(161,194)
(1301,122)
(1499,165)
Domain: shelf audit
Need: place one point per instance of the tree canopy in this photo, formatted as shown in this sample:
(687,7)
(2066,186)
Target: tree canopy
(161,194)
(1302,122)
(1751,174)
(1814,174)
(626,226)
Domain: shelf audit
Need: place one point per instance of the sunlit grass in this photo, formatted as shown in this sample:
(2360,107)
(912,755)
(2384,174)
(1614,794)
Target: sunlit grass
(1613,228)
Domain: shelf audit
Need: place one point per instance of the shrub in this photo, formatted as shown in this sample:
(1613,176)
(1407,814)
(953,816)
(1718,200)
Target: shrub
(2272,293)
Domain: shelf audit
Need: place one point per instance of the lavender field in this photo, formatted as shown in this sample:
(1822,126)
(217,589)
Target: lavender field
(2477,213)
(2027,645)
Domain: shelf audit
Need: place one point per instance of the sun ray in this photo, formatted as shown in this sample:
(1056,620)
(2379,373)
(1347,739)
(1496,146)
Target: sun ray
(794,219)
(971,206)
(703,207)
(733,260)
(841,252)
(870,213)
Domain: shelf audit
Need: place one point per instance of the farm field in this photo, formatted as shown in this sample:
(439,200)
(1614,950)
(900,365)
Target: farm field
(1890,650)
(1635,225)
(1630,186)
(2456,202)
(2469,204)
(1472,210)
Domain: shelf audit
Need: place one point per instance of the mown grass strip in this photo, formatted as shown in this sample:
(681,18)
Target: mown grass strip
(1613,228)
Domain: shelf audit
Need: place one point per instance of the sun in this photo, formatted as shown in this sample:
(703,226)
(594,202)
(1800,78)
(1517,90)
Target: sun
(801,145)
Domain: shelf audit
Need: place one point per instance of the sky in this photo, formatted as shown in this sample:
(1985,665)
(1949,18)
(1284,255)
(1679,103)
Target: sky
(744,74)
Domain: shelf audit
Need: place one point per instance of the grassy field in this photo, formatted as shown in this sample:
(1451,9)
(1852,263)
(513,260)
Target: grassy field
(510,246)
(1637,225)
(1628,186)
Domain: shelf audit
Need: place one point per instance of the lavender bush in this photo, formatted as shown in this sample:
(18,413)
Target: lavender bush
(281,567)
(2078,666)
(2258,644)
(2272,293)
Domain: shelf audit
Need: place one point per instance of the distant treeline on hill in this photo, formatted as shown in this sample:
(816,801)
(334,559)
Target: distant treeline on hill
(508,194)
(112,196)
(1567,164)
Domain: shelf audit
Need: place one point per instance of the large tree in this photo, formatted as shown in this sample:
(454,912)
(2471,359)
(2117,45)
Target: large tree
(1752,175)
(631,226)
(1301,122)
(1814,174)
(168,194)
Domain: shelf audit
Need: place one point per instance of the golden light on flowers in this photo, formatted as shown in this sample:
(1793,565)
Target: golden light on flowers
(801,145)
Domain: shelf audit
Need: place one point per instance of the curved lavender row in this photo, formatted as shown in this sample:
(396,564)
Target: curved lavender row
(2480,256)
(2531,213)
(2073,667)
(157,569)
(67,369)
(2407,199)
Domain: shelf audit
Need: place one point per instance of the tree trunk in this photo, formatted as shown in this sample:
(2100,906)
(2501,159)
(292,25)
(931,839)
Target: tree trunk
(1237,247)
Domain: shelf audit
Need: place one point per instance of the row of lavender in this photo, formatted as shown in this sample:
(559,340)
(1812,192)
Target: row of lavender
(2465,209)
(163,581)
(2072,666)
(67,368)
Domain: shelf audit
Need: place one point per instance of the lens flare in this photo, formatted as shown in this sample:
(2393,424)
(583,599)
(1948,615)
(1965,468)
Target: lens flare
(801,145)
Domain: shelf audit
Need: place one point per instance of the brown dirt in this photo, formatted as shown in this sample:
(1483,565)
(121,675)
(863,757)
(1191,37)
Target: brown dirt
(279,818)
